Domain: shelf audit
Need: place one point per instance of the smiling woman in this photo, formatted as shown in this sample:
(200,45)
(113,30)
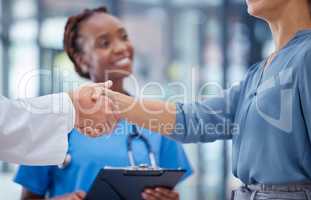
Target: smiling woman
(100,49)
(110,53)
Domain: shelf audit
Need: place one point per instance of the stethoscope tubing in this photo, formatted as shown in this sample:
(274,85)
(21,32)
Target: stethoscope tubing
(137,135)
(129,142)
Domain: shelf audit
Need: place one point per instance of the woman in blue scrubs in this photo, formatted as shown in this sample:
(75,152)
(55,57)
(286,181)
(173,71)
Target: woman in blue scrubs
(100,49)
(267,115)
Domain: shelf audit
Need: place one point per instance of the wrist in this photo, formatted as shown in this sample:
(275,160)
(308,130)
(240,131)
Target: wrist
(124,103)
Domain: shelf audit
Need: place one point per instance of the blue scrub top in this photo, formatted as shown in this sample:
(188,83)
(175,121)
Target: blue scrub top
(267,115)
(89,155)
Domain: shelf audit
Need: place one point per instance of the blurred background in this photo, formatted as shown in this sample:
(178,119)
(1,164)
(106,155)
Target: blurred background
(216,39)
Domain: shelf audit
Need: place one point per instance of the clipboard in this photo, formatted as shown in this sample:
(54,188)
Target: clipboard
(129,183)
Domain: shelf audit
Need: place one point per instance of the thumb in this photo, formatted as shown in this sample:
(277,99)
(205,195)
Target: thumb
(80,194)
(99,89)
(107,84)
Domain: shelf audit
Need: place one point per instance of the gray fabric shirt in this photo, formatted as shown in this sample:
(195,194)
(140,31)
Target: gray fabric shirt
(268,117)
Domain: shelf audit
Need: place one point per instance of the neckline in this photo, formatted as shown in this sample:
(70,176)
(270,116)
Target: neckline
(297,35)
(303,32)
(263,65)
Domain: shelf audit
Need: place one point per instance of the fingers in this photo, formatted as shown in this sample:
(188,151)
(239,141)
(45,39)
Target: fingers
(107,84)
(96,114)
(170,194)
(96,94)
(95,90)
(160,194)
(75,197)
(116,110)
(99,89)
(72,196)
(107,92)
(112,117)
(81,194)
(148,196)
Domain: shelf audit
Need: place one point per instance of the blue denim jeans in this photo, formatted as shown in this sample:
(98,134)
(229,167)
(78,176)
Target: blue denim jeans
(273,192)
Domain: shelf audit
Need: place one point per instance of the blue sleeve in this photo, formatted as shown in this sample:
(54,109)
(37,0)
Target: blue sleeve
(304,85)
(172,156)
(36,179)
(209,120)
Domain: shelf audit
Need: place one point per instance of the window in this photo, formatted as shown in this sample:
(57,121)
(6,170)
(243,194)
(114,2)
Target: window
(23,52)
(147,1)
(147,33)
(23,9)
(198,2)
(1,47)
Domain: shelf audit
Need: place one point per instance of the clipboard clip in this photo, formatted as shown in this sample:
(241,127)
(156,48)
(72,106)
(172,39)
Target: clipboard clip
(142,167)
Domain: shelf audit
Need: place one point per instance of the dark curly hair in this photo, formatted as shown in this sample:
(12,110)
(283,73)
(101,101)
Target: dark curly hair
(71,34)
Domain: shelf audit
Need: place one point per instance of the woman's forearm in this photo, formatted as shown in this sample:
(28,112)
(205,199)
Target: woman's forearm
(158,116)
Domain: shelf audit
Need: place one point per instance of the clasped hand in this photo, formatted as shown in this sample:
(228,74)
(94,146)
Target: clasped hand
(95,113)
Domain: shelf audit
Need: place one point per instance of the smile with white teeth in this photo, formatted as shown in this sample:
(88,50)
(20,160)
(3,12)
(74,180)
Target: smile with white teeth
(123,62)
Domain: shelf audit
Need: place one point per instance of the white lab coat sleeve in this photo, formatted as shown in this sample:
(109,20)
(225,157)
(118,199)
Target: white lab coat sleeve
(34,131)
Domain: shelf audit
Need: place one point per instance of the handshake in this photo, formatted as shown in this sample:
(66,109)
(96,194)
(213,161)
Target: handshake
(98,110)
(95,112)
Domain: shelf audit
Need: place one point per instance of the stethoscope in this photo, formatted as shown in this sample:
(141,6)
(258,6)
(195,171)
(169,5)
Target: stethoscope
(129,143)
(137,135)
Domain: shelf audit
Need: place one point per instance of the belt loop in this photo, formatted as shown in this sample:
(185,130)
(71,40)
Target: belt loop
(232,194)
(253,196)
(246,187)
(308,194)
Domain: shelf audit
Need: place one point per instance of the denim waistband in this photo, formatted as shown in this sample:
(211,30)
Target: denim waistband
(301,191)
(294,187)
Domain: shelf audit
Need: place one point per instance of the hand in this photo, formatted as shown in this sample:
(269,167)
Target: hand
(71,196)
(95,113)
(160,194)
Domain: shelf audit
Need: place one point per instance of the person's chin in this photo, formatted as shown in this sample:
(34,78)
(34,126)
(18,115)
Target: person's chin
(127,69)
(254,7)
(256,12)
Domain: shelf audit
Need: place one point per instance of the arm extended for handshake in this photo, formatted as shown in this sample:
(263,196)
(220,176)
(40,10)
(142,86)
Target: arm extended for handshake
(34,131)
(158,116)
